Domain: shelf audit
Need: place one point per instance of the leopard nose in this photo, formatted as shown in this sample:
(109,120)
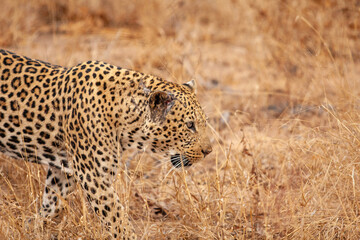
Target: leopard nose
(206,151)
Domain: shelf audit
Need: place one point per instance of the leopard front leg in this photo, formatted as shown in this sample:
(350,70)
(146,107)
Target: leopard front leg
(58,185)
(103,198)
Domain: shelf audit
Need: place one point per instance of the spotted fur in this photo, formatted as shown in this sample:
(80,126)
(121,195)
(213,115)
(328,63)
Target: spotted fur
(77,120)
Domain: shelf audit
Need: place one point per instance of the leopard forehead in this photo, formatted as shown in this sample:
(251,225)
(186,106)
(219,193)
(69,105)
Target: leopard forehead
(186,104)
(192,108)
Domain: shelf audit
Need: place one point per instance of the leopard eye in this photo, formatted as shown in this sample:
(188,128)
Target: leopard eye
(191,125)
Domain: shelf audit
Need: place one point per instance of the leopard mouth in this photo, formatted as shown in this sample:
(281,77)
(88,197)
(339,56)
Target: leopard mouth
(178,160)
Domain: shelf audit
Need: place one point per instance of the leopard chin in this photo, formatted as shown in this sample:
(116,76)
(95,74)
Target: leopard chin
(178,160)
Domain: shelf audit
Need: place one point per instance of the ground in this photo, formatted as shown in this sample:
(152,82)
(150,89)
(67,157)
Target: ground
(279,81)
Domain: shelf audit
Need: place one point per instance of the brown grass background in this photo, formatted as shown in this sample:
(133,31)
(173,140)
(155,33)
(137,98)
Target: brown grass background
(279,81)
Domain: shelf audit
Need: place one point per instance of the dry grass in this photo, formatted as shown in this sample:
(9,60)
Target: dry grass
(279,81)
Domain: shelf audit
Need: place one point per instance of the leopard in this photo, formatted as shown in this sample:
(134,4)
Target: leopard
(77,121)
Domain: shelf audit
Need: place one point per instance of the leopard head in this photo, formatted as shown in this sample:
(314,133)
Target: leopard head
(176,124)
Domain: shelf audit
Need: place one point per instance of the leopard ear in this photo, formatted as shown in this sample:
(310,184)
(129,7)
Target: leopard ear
(191,85)
(160,103)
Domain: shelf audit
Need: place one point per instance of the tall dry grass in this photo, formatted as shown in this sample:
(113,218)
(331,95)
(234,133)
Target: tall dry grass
(279,81)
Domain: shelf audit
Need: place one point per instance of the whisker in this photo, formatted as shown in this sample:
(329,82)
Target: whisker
(163,163)
(180,163)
